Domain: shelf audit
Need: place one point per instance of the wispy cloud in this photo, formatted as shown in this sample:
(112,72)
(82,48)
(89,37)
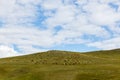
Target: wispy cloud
(38,25)
(7,51)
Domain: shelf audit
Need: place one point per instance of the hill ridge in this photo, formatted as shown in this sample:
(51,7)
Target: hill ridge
(59,57)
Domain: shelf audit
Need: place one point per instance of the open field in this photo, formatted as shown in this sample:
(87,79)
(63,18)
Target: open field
(62,65)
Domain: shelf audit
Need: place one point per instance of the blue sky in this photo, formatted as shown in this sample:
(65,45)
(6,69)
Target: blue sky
(29,26)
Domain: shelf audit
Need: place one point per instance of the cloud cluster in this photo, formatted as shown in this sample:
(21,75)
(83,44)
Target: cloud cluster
(6,51)
(99,19)
(107,44)
(37,25)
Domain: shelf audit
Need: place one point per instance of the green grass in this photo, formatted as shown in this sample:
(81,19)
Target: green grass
(62,65)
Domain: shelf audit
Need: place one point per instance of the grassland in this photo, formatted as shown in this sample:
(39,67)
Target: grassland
(62,65)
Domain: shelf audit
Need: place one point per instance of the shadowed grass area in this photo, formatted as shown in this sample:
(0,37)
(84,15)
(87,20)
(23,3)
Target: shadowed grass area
(62,65)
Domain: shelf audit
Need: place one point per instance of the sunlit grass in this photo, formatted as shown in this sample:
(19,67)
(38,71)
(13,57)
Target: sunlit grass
(62,65)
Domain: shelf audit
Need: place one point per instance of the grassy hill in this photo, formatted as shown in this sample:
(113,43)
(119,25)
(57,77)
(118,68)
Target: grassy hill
(62,65)
(109,54)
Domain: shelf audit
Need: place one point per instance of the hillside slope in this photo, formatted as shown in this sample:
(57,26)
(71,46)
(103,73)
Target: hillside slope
(62,65)
(65,58)
(108,54)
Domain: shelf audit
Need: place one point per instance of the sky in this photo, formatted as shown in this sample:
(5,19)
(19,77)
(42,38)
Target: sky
(29,26)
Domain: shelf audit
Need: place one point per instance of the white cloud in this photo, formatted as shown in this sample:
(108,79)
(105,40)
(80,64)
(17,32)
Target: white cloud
(51,4)
(107,44)
(22,18)
(101,14)
(6,51)
(28,37)
(17,12)
(64,14)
